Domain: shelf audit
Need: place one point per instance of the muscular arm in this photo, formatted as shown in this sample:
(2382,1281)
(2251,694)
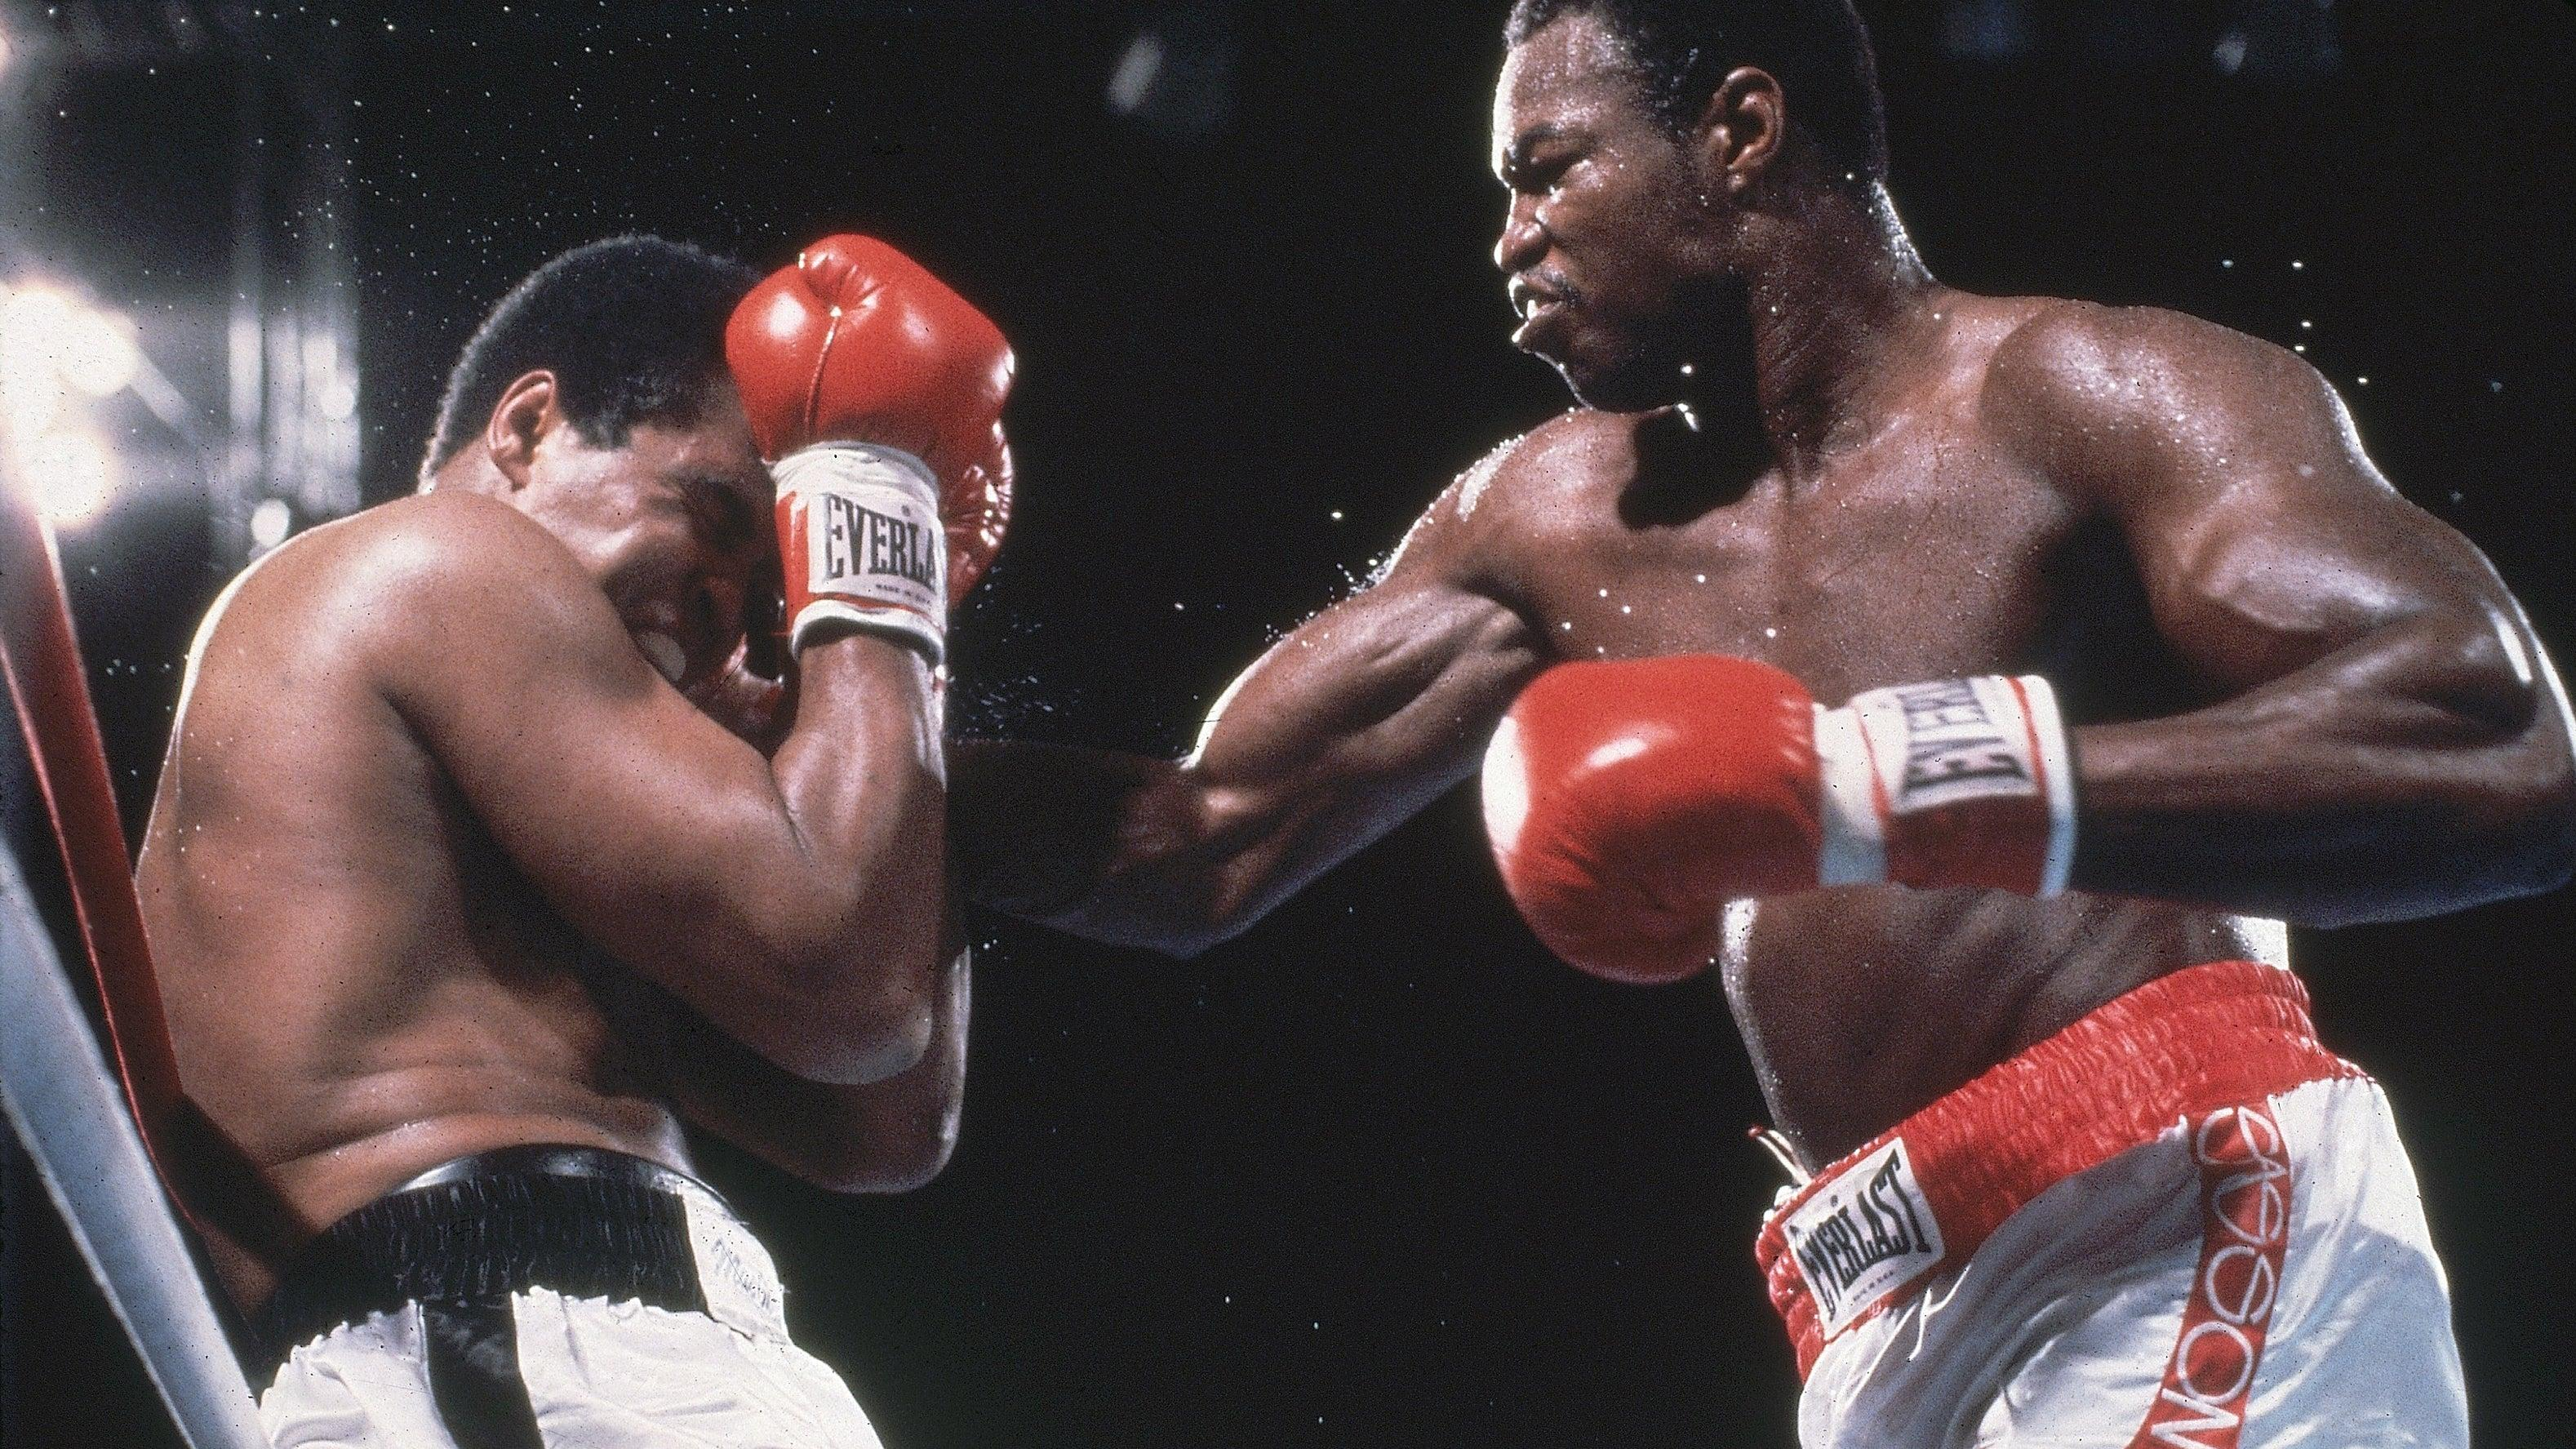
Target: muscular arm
(887,1136)
(794,902)
(2387,738)
(1332,738)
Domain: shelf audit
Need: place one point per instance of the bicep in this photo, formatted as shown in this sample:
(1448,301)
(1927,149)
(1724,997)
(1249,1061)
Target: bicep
(2273,569)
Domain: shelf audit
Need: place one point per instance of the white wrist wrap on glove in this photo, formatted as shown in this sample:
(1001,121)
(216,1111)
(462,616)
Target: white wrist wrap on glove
(1986,744)
(876,555)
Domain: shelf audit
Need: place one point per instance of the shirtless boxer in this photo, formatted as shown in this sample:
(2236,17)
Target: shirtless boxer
(434,770)
(2129,646)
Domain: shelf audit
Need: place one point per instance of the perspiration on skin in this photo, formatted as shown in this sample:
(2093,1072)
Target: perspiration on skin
(2299,696)
(425,785)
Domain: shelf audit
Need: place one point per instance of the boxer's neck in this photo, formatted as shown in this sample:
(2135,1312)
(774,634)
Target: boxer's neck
(469,470)
(1842,311)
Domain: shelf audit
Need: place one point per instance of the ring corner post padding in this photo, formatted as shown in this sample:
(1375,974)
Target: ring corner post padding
(71,1112)
(68,1112)
(66,1108)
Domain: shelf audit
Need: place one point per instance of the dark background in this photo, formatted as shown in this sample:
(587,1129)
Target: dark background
(1380,1172)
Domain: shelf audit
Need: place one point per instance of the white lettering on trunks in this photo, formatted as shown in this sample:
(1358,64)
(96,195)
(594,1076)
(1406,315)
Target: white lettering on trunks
(1866,1233)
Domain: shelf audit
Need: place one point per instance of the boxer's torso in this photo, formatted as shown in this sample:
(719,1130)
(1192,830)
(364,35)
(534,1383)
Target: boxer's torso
(1918,550)
(359,984)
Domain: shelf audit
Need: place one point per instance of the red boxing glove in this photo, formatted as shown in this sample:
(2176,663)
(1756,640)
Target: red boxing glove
(877,393)
(977,508)
(1629,801)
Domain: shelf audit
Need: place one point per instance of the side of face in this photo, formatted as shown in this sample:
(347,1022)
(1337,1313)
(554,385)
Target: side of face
(1609,236)
(674,522)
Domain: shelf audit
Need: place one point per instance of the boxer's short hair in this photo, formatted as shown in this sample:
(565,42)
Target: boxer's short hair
(632,327)
(1818,50)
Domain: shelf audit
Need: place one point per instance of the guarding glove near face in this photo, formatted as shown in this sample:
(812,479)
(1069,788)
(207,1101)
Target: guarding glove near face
(1628,801)
(876,392)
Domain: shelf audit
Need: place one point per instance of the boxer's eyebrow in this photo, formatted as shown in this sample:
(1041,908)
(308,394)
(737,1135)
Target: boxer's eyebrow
(1515,159)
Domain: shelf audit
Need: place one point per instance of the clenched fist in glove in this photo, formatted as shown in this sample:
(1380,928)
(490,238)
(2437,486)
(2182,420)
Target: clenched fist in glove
(876,393)
(1628,801)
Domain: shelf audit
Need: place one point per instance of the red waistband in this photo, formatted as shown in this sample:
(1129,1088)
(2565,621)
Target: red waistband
(2206,1037)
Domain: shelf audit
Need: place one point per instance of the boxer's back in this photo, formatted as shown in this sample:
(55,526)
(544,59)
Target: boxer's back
(359,983)
(1924,549)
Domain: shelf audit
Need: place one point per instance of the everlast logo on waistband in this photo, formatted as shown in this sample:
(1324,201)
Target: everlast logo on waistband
(859,542)
(1867,1232)
(1954,747)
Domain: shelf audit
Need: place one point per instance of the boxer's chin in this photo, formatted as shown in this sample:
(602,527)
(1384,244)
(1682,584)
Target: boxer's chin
(1633,383)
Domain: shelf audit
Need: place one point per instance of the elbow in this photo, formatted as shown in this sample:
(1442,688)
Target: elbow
(854,1009)
(854,1021)
(1190,942)
(2536,792)
(856,1042)
(1230,901)
(1183,925)
(899,1157)
(2517,834)
(2522,802)
(911,1160)
(2542,840)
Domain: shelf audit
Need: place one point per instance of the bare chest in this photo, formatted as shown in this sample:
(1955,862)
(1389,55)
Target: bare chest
(1911,563)
(1890,571)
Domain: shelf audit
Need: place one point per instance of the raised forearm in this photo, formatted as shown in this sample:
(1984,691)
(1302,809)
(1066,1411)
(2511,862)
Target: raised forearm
(2423,768)
(853,932)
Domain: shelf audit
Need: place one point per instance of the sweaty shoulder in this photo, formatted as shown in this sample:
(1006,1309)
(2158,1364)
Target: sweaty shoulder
(1568,468)
(2092,394)
(414,577)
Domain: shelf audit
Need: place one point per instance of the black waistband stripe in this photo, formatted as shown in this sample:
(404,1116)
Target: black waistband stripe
(582,1222)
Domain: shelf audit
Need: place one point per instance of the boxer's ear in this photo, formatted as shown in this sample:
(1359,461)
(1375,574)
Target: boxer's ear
(522,416)
(1741,130)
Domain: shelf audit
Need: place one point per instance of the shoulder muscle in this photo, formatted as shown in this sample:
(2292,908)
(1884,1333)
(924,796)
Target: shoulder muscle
(2129,398)
(1516,491)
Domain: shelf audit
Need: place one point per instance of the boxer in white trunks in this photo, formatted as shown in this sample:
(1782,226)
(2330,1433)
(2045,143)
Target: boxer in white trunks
(2131,655)
(463,898)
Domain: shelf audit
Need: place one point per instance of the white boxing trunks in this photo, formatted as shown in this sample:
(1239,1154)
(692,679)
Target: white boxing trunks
(544,1298)
(2180,1223)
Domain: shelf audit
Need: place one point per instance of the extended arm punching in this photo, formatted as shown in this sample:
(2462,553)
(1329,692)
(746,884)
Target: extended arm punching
(1337,734)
